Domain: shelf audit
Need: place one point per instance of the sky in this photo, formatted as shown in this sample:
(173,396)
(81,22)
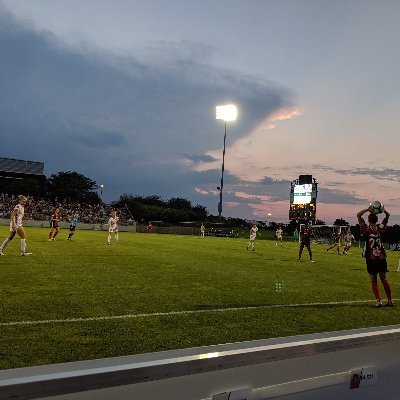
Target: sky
(124,92)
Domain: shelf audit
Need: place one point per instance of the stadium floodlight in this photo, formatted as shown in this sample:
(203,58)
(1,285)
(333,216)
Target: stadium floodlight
(227,113)
(101,191)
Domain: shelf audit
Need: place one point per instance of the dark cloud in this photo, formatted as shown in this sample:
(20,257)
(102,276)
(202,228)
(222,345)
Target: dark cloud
(120,121)
(199,158)
(378,173)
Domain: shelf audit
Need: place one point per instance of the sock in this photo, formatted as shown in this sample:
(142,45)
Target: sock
(109,238)
(376,290)
(5,243)
(388,291)
(23,245)
(50,234)
(55,234)
(116,237)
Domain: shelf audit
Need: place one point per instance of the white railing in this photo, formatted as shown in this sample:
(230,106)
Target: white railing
(318,366)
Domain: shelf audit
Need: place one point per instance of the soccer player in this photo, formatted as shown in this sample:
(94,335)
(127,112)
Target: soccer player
(305,240)
(375,255)
(54,225)
(336,242)
(279,235)
(113,227)
(149,227)
(16,227)
(296,235)
(253,236)
(348,238)
(202,231)
(72,227)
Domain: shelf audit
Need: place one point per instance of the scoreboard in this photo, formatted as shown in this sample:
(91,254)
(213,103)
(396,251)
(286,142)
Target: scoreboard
(303,199)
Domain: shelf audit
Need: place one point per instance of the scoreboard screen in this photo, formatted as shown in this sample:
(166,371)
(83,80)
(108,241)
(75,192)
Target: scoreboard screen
(302,194)
(303,199)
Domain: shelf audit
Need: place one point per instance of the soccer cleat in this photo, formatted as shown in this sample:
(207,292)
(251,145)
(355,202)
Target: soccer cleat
(378,304)
(2,254)
(26,254)
(312,261)
(389,304)
(50,240)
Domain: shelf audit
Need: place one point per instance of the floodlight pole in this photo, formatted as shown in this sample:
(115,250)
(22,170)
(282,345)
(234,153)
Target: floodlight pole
(222,178)
(226,113)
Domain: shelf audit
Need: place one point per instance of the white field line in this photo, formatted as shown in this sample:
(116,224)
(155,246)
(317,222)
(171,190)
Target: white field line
(172,313)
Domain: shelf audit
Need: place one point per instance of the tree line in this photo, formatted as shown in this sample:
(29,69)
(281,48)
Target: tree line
(75,187)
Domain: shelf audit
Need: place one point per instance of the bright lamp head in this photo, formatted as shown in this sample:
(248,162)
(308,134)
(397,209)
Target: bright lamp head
(227,112)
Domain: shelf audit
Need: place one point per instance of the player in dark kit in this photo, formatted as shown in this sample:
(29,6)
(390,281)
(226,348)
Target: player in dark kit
(54,225)
(336,242)
(305,238)
(375,254)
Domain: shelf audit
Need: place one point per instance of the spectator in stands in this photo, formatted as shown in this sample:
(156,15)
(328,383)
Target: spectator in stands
(16,227)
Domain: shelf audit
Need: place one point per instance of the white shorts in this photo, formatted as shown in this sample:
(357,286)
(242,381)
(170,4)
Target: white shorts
(16,227)
(253,238)
(111,230)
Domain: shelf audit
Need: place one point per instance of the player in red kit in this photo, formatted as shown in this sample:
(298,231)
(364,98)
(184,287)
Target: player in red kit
(305,239)
(375,254)
(54,224)
(336,242)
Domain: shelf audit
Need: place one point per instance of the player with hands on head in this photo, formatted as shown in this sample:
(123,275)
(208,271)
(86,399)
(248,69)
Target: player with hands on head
(374,252)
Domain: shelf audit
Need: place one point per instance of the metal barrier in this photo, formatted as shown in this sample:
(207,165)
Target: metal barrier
(301,367)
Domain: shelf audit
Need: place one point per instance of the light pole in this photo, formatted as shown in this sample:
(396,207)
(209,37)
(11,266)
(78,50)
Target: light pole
(101,192)
(226,113)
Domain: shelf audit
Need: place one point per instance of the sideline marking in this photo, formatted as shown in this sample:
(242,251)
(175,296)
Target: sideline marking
(187,312)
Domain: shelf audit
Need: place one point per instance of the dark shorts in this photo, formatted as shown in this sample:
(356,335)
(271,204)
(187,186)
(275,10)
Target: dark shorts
(376,266)
(72,228)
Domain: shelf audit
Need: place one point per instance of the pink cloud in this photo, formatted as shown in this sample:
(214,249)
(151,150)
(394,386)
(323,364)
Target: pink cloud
(231,204)
(202,191)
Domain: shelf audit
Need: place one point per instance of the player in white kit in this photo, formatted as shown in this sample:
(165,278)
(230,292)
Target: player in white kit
(16,227)
(113,227)
(253,236)
(348,239)
(279,236)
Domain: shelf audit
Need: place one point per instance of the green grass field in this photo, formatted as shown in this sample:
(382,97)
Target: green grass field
(85,299)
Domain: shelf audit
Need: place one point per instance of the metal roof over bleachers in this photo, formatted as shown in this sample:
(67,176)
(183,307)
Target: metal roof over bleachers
(11,165)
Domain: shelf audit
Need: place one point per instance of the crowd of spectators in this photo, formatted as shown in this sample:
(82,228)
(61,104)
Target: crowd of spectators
(40,209)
